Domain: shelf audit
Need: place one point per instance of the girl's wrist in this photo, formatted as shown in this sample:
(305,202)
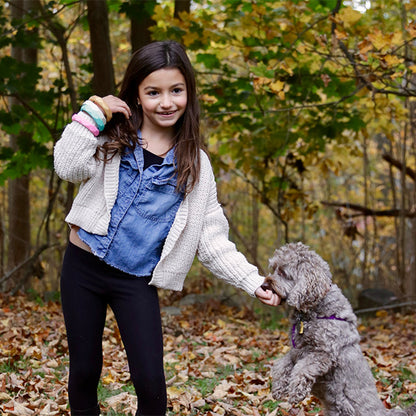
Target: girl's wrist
(102,105)
(95,113)
(86,121)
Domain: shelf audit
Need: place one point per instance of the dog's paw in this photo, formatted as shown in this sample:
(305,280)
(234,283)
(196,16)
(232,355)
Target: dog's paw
(282,369)
(298,390)
(279,391)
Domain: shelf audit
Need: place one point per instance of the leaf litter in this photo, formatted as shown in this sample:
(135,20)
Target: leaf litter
(217,361)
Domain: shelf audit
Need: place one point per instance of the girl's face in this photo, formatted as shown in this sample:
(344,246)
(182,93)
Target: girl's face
(163,97)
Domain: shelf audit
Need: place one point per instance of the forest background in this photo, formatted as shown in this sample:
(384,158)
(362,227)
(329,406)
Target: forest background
(308,113)
(307,110)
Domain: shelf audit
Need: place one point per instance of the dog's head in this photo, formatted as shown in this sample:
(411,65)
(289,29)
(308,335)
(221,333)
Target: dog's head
(299,276)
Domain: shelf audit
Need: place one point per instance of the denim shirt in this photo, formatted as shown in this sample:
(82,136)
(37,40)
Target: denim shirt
(142,216)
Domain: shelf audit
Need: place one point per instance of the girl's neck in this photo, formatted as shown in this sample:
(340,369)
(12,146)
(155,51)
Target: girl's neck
(157,141)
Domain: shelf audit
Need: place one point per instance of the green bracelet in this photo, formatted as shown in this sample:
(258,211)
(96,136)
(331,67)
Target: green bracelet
(95,113)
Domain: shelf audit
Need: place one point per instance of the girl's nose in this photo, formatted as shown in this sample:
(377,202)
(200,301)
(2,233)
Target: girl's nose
(165,101)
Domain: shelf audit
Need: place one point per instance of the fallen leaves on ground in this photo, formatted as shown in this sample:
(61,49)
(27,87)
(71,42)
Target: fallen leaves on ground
(217,361)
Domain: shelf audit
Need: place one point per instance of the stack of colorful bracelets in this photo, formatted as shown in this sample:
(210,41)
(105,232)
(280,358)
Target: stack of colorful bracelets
(94,110)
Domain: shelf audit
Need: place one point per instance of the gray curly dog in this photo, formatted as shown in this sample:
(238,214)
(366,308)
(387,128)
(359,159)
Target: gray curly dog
(325,359)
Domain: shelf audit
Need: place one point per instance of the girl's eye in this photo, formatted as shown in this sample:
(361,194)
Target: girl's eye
(152,93)
(177,90)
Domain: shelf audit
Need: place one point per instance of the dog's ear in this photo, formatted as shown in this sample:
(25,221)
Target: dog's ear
(312,282)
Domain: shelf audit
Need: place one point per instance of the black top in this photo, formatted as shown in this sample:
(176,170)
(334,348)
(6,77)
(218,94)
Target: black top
(150,159)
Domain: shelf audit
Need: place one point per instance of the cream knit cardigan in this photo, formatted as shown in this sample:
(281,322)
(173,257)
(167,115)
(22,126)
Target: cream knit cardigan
(200,226)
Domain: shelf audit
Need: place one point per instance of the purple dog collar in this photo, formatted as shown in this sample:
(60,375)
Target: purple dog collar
(332,317)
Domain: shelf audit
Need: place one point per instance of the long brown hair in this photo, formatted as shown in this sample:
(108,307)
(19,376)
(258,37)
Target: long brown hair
(187,140)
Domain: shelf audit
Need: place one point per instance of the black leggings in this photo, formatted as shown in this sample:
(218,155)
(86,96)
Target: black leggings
(88,285)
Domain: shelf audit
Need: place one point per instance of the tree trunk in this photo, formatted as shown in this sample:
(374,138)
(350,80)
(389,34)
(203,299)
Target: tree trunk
(364,269)
(182,6)
(410,276)
(18,189)
(140,13)
(103,81)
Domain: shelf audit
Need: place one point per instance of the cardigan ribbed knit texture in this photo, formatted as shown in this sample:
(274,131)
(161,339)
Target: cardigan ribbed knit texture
(200,227)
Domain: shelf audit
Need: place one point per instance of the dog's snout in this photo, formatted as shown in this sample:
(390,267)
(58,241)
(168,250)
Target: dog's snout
(267,286)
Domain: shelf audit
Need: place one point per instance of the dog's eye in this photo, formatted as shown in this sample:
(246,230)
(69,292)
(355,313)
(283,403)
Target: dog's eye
(281,272)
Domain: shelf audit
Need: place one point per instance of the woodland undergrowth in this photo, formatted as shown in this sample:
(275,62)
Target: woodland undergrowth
(217,360)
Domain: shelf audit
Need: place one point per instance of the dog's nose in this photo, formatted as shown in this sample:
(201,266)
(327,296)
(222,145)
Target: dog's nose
(267,286)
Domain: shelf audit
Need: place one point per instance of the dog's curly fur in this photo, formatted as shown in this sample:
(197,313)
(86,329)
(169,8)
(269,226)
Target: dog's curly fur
(325,359)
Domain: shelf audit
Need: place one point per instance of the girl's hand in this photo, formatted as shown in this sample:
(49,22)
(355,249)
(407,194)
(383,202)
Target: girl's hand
(116,105)
(267,297)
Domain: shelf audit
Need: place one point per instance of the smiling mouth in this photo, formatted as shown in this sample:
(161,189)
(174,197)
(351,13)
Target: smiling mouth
(166,113)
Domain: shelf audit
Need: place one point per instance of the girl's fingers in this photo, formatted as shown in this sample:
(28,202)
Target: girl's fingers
(116,105)
(268,297)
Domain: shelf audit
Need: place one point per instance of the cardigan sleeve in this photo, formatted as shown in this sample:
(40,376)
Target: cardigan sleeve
(219,254)
(74,152)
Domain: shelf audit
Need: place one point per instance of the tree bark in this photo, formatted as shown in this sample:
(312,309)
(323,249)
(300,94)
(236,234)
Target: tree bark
(103,81)
(140,13)
(18,189)
(182,6)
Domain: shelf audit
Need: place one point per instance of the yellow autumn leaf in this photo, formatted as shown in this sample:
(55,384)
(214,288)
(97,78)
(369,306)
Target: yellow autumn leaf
(221,323)
(108,379)
(365,46)
(208,98)
(393,60)
(397,38)
(381,314)
(259,82)
(379,40)
(190,38)
(184,324)
(277,86)
(283,26)
(340,34)
(349,16)
(301,48)
(411,29)
(412,68)
(287,68)
(159,13)
(174,392)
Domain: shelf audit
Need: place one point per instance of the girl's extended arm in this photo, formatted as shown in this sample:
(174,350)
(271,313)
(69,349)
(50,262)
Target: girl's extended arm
(221,257)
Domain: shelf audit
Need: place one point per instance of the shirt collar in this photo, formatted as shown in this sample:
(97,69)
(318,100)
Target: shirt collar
(170,157)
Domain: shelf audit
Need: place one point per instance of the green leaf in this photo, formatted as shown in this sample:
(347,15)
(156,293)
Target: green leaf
(209,60)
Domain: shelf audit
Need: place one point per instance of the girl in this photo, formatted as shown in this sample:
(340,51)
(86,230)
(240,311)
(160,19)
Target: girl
(146,205)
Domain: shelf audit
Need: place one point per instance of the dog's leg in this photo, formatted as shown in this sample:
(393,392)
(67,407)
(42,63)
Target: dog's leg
(304,374)
(281,373)
(400,412)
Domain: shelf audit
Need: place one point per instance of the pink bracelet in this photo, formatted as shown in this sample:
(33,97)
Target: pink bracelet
(93,129)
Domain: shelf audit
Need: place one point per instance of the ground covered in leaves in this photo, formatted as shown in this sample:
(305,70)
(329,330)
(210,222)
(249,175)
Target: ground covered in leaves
(217,361)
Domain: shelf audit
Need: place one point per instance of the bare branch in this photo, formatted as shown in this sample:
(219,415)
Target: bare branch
(369,212)
(399,165)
